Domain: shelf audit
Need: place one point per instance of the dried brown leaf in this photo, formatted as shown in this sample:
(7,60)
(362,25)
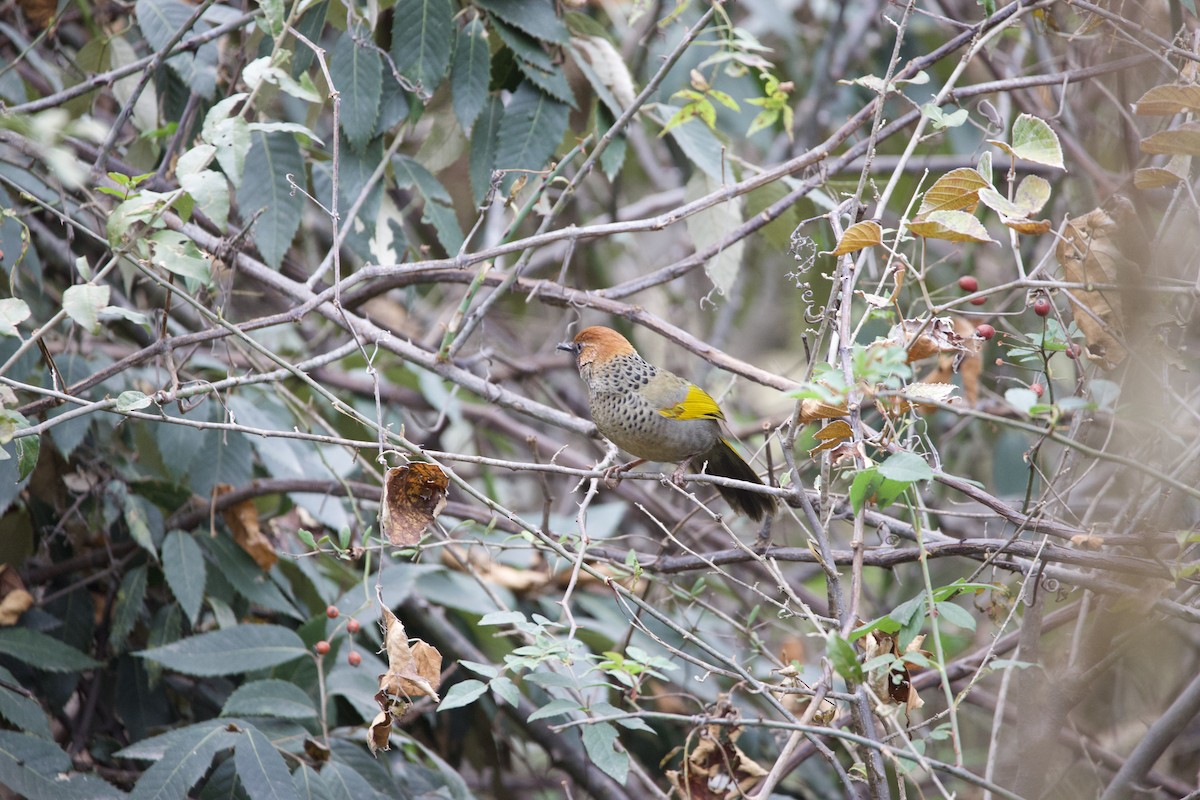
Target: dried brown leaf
(242,519)
(1090,252)
(413,495)
(1167,99)
(813,410)
(859,236)
(1181,140)
(414,670)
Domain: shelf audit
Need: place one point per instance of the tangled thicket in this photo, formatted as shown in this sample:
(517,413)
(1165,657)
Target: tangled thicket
(299,499)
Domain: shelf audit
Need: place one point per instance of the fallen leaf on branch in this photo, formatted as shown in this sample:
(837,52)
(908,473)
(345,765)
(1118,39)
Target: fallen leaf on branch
(413,495)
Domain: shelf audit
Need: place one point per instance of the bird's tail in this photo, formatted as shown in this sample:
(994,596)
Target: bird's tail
(724,461)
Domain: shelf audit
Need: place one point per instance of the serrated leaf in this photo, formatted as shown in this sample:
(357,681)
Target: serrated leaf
(606,71)
(952,226)
(421,41)
(36,769)
(185,571)
(530,132)
(357,73)
(536,64)
(1033,140)
(22,711)
(1168,99)
(710,227)
(858,236)
(957,190)
(270,698)
(12,313)
(438,210)
(159,20)
(272,157)
(906,467)
(43,652)
(229,651)
(535,17)
(471,73)
(83,302)
(600,740)
(128,607)
(263,772)
(483,147)
(184,762)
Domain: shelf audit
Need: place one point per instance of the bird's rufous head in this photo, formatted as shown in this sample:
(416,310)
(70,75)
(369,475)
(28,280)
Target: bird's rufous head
(597,343)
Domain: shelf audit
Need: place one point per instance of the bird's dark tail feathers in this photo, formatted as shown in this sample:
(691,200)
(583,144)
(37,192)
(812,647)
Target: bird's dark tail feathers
(724,461)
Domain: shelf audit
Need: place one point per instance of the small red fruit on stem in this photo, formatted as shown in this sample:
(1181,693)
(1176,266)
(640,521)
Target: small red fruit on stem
(1041,307)
(985,331)
(322,647)
(968,283)
(332,612)
(352,625)
(354,659)
(1037,389)
(977,301)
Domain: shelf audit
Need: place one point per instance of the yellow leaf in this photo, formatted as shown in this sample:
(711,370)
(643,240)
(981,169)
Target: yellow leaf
(1167,99)
(957,190)
(858,236)
(952,226)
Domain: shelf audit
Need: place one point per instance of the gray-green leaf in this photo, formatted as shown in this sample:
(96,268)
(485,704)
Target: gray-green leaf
(43,652)
(533,126)
(357,73)
(185,571)
(470,74)
(230,651)
(262,770)
(421,31)
(83,302)
(273,157)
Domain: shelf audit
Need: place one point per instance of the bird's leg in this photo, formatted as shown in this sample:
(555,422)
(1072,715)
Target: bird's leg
(612,475)
(680,471)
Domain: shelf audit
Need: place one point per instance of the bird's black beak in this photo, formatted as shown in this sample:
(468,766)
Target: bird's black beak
(569,347)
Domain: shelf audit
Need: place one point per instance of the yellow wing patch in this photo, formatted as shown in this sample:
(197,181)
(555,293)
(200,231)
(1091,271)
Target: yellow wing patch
(697,405)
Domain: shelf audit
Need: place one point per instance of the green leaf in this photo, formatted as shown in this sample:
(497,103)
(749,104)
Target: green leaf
(1021,399)
(701,146)
(483,147)
(210,190)
(533,126)
(12,313)
(131,401)
(955,615)
(230,651)
(28,448)
(421,40)
(438,203)
(263,772)
(1033,140)
(130,598)
(83,303)
(136,518)
(906,467)
(904,612)
(535,17)
(463,694)
(273,157)
(22,711)
(844,659)
(536,64)
(470,74)
(43,652)
(270,698)
(159,20)
(309,784)
(357,73)
(175,252)
(554,708)
(599,740)
(506,690)
(190,755)
(185,571)
(37,769)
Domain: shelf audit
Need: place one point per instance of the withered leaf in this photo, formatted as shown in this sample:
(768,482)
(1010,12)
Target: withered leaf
(1090,252)
(413,670)
(16,600)
(379,733)
(413,495)
(812,410)
(716,769)
(242,519)
(831,435)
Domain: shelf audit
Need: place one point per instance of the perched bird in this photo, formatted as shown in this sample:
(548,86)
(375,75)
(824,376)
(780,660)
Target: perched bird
(655,415)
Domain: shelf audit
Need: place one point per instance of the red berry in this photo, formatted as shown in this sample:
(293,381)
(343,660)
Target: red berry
(354,658)
(977,301)
(1037,389)
(352,625)
(968,283)
(985,331)
(1041,307)
(332,612)
(322,647)
(1074,350)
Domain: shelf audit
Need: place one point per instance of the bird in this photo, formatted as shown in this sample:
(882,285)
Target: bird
(655,415)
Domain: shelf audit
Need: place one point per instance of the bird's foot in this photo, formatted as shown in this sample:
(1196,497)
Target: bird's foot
(612,475)
(677,475)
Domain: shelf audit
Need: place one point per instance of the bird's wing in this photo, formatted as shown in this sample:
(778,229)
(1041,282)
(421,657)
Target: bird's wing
(696,404)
